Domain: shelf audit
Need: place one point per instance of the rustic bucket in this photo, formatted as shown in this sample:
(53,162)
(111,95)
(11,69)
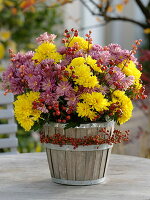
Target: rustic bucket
(85,165)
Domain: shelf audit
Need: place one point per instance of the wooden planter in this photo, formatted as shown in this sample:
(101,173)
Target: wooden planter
(84,165)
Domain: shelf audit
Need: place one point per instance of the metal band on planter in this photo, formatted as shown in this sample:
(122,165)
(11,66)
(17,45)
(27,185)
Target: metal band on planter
(71,182)
(79,148)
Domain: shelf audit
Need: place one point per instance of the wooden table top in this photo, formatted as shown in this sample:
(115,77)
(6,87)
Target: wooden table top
(26,177)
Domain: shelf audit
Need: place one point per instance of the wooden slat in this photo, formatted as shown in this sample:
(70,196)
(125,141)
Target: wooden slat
(97,164)
(59,130)
(103,163)
(8,142)
(80,165)
(6,113)
(8,128)
(62,164)
(80,132)
(51,131)
(49,158)
(71,132)
(94,131)
(107,161)
(54,155)
(5,99)
(89,167)
(71,163)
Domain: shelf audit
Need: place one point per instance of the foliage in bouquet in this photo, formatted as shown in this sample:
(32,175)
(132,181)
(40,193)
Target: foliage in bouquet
(76,83)
(21,20)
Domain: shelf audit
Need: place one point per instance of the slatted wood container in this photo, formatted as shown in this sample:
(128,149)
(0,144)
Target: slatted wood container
(84,165)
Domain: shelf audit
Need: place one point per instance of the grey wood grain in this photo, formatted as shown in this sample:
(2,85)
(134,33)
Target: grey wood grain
(71,132)
(107,160)
(61,156)
(80,165)
(70,158)
(103,163)
(89,165)
(98,158)
(26,177)
(49,158)
(55,161)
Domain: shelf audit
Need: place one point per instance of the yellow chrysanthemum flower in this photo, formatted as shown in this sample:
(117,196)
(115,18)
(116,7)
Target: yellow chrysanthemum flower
(138,86)
(24,112)
(84,76)
(77,61)
(130,70)
(76,88)
(89,82)
(83,73)
(46,51)
(96,100)
(125,105)
(92,62)
(91,115)
(83,109)
(82,43)
(82,70)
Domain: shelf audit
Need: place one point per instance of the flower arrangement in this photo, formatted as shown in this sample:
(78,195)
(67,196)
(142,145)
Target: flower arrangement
(79,82)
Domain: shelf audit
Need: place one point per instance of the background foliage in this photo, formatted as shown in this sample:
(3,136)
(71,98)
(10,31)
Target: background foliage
(21,21)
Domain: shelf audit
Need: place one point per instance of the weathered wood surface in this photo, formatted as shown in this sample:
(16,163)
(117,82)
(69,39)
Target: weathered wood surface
(78,165)
(76,132)
(26,177)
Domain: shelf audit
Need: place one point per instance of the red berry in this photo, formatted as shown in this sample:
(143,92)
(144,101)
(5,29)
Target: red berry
(110,72)
(104,68)
(60,77)
(34,106)
(66,31)
(59,120)
(56,105)
(49,107)
(63,68)
(68,117)
(66,73)
(63,121)
(57,112)
(144,96)
(54,113)
(73,76)
(71,67)
(63,108)
(68,35)
(140,67)
(75,34)
(41,100)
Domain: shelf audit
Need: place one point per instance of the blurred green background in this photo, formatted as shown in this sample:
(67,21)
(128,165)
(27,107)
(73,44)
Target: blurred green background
(21,21)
